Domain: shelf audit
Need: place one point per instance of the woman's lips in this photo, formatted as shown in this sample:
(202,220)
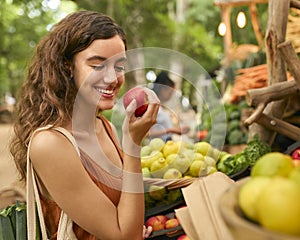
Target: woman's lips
(105,91)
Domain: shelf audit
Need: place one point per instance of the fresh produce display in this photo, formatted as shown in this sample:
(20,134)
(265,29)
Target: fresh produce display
(236,133)
(165,225)
(296,157)
(178,159)
(140,96)
(174,160)
(13,222)
(183,237)
(230,164)
(270,197)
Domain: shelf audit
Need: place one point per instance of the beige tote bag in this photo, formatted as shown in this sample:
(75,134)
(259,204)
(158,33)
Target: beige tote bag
(65,227)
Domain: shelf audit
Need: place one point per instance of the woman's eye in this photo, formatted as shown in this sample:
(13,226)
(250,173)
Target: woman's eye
(99,67)
(120,68)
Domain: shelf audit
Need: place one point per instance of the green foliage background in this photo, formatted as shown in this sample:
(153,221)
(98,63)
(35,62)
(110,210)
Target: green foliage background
(147,24)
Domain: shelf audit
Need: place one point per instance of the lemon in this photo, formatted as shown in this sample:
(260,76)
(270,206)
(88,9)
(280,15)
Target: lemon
(278,206)
(149,159)
(197,168)
(273,164)
(169,148)
(249,194)
(159,167)
(197,156)
(295,175)
(172,173)
(171,157)
(202,147)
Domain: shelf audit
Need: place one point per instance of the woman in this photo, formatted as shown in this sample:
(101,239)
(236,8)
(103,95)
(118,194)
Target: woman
(76,74)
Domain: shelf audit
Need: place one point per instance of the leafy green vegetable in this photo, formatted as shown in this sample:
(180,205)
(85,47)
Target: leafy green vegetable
(235,115)
(234,124)
(235,137)
(233,164)
(255,149)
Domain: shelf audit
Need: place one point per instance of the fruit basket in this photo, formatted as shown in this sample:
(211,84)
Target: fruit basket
(169,197)
(161,195)
(239,225)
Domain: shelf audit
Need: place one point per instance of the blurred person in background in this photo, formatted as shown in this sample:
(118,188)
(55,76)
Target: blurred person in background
(164,87)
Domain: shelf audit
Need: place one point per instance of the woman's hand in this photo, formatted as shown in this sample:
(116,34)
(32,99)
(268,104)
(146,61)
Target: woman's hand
(146,231)
(136,128)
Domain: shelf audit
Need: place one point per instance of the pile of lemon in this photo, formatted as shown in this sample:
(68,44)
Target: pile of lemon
(271,196)
(178,159)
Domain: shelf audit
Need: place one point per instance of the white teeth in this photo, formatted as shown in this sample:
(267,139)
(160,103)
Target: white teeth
(104,91)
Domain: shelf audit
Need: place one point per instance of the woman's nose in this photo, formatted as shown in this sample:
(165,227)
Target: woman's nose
(110,75)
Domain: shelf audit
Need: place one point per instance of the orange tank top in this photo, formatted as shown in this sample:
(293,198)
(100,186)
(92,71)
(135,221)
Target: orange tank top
(108,183)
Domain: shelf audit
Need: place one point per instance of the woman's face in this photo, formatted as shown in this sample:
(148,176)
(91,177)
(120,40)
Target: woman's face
(99,72)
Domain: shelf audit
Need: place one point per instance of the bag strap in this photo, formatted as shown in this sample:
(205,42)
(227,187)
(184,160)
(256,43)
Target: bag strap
(32,194)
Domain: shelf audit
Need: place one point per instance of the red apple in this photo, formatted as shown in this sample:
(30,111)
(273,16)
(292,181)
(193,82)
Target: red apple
(156,222)
(140,96)
(296,154)
(171,223)
(296,162)
(183,237)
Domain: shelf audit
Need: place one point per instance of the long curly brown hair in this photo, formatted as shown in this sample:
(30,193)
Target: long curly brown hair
(48,93)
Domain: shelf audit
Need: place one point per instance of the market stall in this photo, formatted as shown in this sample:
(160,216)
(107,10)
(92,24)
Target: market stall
(209,205)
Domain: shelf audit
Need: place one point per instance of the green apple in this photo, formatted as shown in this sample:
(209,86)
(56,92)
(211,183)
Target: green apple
(157,192)
(146,150)
(182,161)
(210,161)
(146,172)
(157,144)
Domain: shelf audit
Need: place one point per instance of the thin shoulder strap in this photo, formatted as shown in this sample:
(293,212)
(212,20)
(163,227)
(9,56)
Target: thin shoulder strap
(69,136)
(32,194)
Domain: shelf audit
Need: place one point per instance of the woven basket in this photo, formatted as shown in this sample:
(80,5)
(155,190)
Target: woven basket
(169,183)
(240,227)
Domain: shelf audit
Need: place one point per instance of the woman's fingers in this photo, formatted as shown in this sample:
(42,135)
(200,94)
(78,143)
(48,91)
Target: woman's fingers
(147,231)
(152,97)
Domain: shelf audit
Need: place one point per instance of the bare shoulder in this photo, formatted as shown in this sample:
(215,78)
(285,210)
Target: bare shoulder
(47,143)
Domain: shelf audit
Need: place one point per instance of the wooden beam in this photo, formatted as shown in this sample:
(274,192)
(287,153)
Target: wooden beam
(271,93)
(280,126)
(234,3)
(295,4)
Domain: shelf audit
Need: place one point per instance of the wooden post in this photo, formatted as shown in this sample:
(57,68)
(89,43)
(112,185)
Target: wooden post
(228,35)
(292,60)
(255,25)
(276,32)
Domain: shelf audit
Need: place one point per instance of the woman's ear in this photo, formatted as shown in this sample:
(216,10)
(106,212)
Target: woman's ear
(69,66)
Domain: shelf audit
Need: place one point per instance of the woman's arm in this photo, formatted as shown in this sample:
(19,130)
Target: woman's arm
(67,182)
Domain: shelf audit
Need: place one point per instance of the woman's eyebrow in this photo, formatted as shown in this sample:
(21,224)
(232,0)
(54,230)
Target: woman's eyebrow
(100,58)
(122,59)
(96,57)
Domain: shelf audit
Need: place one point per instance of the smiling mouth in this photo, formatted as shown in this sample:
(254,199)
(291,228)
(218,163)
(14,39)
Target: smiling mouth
(105,91)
